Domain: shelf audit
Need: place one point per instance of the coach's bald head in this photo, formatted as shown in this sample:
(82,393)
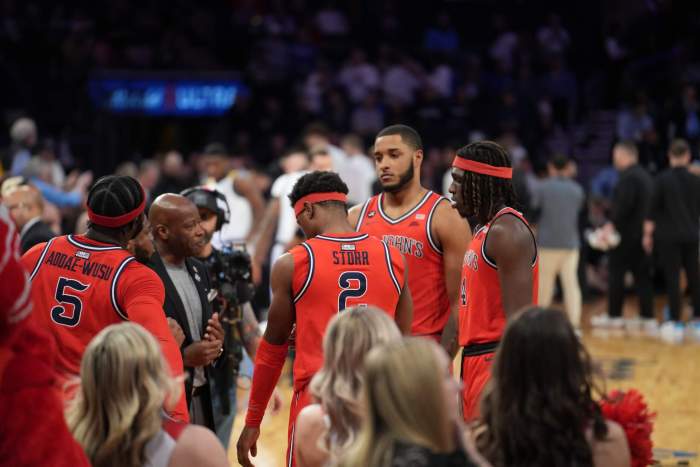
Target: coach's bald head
(176,227)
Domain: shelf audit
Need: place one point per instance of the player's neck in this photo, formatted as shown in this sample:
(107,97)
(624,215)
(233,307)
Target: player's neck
(340,226)
(406,197)
(93,234)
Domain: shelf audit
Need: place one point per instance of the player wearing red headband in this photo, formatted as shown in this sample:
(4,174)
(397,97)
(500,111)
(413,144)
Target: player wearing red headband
(83,283)
(422,226)
(335,269)
(499,271)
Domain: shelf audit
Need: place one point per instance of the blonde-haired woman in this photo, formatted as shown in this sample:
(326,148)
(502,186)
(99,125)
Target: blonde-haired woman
(412,413)
(118,414)
(324,430)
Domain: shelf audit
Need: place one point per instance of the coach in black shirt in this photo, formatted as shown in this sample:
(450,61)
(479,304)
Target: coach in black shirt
(178,236)
(630,206)
(674,224)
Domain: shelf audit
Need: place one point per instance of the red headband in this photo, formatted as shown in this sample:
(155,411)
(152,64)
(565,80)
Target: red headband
(481,168)
(317,198)
(113,222)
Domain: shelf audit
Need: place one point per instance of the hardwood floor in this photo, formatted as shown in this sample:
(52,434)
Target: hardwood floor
(665,374)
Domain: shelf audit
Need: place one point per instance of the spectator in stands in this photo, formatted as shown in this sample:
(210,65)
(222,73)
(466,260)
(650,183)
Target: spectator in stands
(630,207)
(38,172)
(325,429)
(503,48)
(553,38)
(540,407)
(26,207)
(672,230)
(401,81)
(685,120)
(117,415)
(367,118)
(634,123)
(442,37)
(174,175)
(23,134)
(422,427)
(558,202)
(149,173)
(359,77)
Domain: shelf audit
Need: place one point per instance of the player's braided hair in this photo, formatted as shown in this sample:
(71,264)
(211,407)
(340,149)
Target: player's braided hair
(113,196)
(319,182)
(487,194)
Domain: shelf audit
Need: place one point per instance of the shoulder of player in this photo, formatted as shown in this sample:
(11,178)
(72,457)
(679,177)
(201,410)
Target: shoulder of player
(354,213)
(508,231)
(135,271)
(446,220)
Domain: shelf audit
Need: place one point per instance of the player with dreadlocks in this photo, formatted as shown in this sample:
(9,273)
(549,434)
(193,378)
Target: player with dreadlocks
(83,283)
(500,270)
(335,269)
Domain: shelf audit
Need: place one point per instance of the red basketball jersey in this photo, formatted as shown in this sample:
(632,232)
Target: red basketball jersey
(74,286)
(334,272)
(411,234)
(481,315)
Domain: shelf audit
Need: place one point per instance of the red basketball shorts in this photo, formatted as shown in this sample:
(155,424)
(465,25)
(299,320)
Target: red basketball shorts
(476,372)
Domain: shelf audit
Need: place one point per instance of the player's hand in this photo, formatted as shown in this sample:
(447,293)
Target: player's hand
(201,353)
(176,331)
(275,403)
(214,332)
(247,443)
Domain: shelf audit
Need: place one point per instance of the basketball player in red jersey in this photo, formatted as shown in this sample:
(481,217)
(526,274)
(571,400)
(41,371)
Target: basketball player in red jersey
(421,224)
(83,283)
(335,269)
(500,271)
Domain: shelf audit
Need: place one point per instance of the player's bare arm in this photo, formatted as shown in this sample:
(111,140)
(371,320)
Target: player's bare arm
(511,245)
(453,235)
(354,215)
(267,230)
(404,309)
(250,330)
(279,327)
(247,188)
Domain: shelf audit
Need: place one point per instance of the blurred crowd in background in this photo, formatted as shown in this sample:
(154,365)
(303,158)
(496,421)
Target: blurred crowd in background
(540,80)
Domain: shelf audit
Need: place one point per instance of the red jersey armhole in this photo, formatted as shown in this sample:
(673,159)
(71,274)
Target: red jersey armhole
(303,269)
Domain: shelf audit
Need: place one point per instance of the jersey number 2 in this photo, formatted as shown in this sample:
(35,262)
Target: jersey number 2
(353,284)
(58,313)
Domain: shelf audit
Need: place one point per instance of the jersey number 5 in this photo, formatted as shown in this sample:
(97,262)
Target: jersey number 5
(58,313)
(353,285)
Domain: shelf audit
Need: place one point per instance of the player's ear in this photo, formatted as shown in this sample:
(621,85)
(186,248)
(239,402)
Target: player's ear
(418,157)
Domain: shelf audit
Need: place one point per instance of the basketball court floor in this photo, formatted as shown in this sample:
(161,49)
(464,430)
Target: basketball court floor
(667,375)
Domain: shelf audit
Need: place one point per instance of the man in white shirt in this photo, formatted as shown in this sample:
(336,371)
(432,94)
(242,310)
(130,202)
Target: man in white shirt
(244,199)
(279,218)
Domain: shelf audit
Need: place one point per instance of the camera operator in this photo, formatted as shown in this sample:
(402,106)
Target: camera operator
(230,273)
